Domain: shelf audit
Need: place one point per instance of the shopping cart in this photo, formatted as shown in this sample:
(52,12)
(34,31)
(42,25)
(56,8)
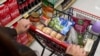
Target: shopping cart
(47,42)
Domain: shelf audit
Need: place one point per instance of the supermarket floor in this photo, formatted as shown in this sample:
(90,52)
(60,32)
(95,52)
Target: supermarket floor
(35,46)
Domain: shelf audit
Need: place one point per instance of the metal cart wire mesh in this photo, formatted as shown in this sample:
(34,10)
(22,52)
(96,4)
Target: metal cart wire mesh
(55,46)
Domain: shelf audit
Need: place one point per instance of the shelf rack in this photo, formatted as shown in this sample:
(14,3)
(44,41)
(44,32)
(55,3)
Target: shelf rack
(19,17)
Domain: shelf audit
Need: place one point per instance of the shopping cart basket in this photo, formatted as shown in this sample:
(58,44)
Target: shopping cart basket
(46,41)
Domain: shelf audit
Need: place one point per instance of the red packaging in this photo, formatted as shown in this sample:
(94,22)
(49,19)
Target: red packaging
(23,7)
(5,16)
(24,4)
(30,1)
(18,39)
(7,19)
(0,24)
(15,14)
(4,10)
(23,38)
(13,6)
(81,28)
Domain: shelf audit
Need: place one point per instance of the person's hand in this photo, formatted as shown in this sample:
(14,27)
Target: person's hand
(22,26)
(75,50)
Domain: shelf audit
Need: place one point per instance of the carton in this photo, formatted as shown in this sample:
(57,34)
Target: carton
(13,7)
(5,16)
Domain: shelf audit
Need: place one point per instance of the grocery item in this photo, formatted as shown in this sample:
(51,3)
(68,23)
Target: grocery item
(40,26)
(53,34)
(66,28)
(47,11)
(52,1)
(44,29)
(59,36)
(5,16)
(48,30)
(72,37)
(61,25)
(34,17)
(81,24)
(13,7)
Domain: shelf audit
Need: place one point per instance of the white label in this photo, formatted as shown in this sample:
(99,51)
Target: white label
(88,45)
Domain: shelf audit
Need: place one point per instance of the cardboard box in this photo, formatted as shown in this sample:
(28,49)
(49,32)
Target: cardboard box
(5,16)
(13,7)
(23,38)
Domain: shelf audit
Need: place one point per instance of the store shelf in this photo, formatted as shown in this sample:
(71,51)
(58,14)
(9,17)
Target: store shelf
(68,4)
(58,3)
(19,17)
(2,1)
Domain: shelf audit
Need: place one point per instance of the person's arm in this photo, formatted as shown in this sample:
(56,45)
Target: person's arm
(75,50)
(11,31)
(22,26)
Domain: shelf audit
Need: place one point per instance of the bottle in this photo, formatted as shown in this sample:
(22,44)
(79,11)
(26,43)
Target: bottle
(20,6)
(35,2)
(25,5)
(29,4)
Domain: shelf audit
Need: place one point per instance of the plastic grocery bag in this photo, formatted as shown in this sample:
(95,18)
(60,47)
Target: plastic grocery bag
(72,38)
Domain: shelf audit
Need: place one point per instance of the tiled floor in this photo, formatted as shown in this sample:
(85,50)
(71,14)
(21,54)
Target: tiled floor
(35,46)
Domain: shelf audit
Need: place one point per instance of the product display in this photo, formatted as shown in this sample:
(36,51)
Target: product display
(12,10)
(5,16)
(25,5)
(13,7)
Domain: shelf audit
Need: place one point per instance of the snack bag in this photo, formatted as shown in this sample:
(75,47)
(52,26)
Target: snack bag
(81,24)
